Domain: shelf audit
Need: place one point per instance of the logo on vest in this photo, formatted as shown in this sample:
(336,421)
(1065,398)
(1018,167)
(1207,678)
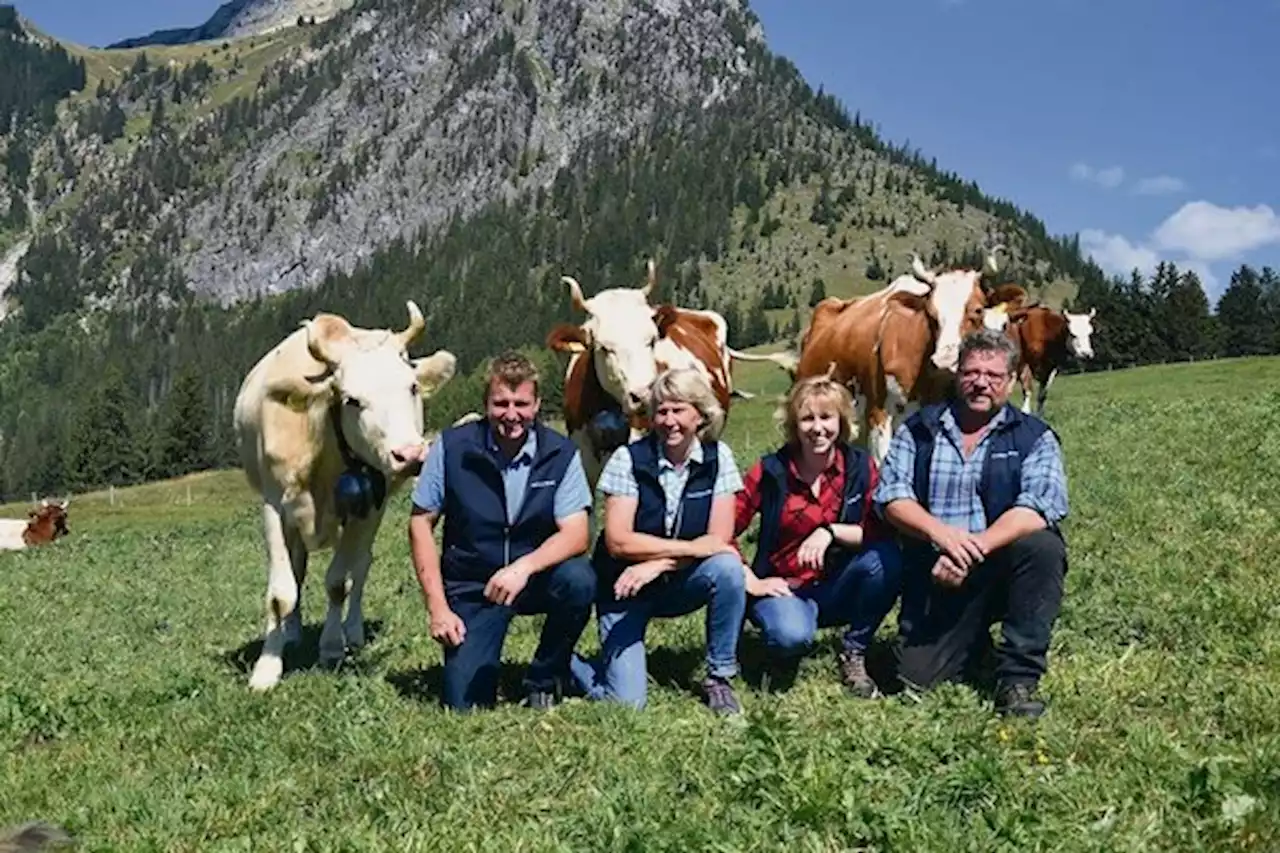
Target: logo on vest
(542,484)
(702,494)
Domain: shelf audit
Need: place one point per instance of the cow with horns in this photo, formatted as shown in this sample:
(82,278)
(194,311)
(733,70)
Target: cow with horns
(43,524)
(329,425)
(896,348)
(1046,339)
(617,352)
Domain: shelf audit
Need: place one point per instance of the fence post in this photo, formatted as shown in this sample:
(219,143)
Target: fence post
(111,494)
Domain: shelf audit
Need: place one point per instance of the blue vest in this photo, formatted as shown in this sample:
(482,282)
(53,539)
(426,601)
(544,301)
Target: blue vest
(692,518)
(773,493)
(1001,479)
(477,538)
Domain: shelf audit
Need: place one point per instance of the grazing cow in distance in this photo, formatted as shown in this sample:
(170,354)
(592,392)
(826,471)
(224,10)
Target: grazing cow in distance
(1045,339)
(44,524)
(898,347)
(617,352)
(329,425)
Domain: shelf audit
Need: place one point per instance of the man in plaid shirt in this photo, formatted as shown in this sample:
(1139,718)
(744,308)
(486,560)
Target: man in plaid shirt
(977,489)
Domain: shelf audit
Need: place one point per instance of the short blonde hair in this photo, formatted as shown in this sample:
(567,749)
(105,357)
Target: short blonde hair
(688,385)
(817,388)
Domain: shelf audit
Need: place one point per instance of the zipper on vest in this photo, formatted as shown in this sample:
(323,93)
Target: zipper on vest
(506,545)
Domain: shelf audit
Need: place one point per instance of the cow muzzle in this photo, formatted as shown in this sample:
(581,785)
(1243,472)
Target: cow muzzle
(407,456)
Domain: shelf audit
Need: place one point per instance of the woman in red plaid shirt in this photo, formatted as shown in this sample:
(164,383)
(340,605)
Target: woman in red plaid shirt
(823,558)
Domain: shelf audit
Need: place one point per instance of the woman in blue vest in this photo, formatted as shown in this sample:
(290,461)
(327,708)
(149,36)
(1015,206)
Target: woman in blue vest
(666,549)
(822,558)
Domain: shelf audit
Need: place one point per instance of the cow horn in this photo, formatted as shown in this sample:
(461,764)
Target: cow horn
(918,270)
(652,279)
(415,327)
(575,291)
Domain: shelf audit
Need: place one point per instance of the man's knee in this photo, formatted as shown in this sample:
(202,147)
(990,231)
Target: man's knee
(787,637)
(1044,551)
(574,582)
(924,667)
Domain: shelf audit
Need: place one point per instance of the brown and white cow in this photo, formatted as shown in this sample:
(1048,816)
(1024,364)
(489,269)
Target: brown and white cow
(44,524)
(1045,339)
(617,352)
(898,347)
(331,406)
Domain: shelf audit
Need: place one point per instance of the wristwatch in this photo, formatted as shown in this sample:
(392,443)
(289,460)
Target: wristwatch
(826,525)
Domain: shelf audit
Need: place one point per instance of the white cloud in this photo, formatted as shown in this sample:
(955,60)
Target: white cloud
(1108,178)
(1116,254)
(1160,185)
(1204,231)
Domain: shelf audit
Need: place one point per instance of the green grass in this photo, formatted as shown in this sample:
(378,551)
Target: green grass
(124,711)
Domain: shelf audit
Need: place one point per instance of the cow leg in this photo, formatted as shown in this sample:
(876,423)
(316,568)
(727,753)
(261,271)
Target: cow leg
(298,562)
(344,585)
(282,601)
(879,433)
(1024,379)
(1044,390)
(592,465)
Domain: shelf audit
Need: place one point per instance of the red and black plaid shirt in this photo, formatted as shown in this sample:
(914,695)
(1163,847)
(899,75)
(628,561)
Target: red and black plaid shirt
(803,513)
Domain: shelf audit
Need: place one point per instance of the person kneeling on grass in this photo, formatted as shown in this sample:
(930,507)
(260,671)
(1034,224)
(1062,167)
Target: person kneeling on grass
(515,502)
(666,547)
(978,489)
(823,558)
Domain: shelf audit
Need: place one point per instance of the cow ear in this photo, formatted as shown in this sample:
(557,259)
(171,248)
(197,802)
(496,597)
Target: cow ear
(568,338)
(434,370)
(1016,317)
(664,316)
(327,336)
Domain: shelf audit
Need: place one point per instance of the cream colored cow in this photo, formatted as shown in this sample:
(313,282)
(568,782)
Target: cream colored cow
(331,398)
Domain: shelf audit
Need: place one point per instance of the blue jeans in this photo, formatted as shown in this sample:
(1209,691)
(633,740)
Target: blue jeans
(564,593)
(717,582)
(859,593)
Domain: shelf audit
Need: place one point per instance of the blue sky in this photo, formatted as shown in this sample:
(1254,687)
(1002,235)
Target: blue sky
(1150,127)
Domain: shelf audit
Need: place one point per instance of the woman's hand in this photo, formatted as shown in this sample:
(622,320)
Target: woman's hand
(813,550)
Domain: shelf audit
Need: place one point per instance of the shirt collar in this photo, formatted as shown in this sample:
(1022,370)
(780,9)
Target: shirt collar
(695,457)
(951,425)
(835,469)
(526,453)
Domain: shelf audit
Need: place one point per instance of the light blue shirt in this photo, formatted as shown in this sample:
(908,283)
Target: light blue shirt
(572,495)
(619,480)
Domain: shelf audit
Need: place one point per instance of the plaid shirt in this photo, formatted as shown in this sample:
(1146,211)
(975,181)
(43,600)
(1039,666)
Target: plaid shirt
(954,480)
(802,513)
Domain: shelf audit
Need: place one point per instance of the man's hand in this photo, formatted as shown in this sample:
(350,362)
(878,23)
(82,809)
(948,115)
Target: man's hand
(707,545)
(947,573)
(507,583)
(447,628)
(768,587)
(964,548)
(813,550)
(637,576)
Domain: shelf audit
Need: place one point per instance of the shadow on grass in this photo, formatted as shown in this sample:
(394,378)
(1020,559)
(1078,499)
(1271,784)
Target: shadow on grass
(768,674)
(304,655)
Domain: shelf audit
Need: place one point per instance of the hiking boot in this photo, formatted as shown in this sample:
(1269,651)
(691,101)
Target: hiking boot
(780,674)
(720,696)
(542,700)
(1018,700)
(853,674)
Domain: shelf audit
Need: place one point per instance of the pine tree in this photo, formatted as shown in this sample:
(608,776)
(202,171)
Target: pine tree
(1243,317)
(818,293)
(101,450)
(182,440)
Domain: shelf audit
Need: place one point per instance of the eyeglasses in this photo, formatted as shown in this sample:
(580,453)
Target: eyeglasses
(974,375)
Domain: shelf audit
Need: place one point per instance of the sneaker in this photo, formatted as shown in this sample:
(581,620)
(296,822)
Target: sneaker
(720,696)
(1018,700)
(853,674)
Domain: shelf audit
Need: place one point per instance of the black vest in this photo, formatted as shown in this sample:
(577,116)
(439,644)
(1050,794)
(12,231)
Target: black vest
(477,537)
(692,517)
(773,493)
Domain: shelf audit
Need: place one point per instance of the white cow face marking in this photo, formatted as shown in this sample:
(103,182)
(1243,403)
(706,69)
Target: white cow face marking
(1079,331)
(959,303)
(623,334)
(380,392)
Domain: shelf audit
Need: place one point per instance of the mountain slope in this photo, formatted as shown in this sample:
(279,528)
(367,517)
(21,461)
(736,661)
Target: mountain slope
(241,18)
(199,200)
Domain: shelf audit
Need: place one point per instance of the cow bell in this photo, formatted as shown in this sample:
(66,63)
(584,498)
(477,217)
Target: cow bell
(609,430)
(358,492)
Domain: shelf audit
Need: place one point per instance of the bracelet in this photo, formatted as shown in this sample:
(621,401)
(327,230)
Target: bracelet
(827,527)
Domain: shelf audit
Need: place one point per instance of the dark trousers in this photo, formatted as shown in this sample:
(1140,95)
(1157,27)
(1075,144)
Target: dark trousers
(564,593)
(941,628)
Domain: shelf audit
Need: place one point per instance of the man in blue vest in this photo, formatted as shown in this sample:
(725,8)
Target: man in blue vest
(515,503)
(978,490)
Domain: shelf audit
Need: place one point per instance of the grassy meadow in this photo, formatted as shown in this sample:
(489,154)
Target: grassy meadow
(124,711)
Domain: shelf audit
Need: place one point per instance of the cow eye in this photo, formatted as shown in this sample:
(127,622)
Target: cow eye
(414,389)
(352,402)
